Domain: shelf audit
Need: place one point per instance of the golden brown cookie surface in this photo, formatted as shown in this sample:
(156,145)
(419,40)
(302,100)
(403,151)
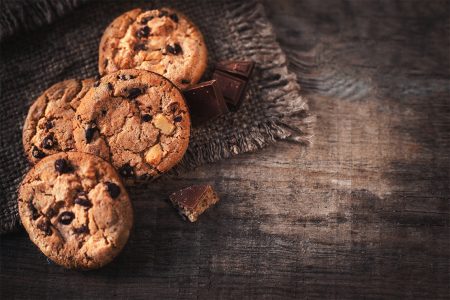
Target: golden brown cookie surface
(48,126)
(136,119)
(163,41)
(75,209)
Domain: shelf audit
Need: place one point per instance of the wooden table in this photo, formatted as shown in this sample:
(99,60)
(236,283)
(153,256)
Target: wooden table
(363,213)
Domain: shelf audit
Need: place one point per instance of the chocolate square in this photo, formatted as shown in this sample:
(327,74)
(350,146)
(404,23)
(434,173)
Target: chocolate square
(194,200)
(232,87)
(205,101)
(240,68)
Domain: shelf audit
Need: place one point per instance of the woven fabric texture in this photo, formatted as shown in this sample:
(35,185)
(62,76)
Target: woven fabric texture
(33,60)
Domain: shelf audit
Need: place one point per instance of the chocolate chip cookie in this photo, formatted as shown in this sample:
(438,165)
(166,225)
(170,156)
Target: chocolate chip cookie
(48,126)
(163,41)
(75,209)
(136,119)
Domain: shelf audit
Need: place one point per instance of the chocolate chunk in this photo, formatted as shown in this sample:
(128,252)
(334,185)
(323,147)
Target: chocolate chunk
(177,119)
(146,118)
(133,93)
(163,13)
(37,153)
(90,132)
(63,166)
(175,49)
(83,201)
(185,81)
(174,17)
(240,68)
(232,87)
(126,171)
(82,229)
(146,19)
(48,125)
(51,212)
(143,32)
(194,200)
(34,212)
(113,189)
(66,217)
(45,226)
(110,86)
(205,101)
(47,142)
(104,111)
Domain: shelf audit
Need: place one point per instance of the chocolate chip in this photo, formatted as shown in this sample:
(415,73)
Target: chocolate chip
(110,86)
(83,202)
(146,118)
(104,111)
(34,212)
(113,189)
(66,217)
(174,107)
(126,171)
(63,166)
(82,229)
(47,142)
(175,49)
(51,212)
(163,13)
(45,226)
(90,132)
(48,125)
(146,19)
(177,119)
(133,93)
(143,32)
(174,17)
(37,153)
(139,47)
(185,81)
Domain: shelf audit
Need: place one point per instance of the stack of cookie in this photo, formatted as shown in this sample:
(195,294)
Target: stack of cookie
(85,136)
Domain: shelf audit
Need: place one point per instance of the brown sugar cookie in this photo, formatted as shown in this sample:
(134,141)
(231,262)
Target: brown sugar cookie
(48,125)
(75,209)
(136,119)
(163,41)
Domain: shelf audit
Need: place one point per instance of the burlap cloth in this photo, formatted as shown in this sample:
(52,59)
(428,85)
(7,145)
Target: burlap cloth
(46,41)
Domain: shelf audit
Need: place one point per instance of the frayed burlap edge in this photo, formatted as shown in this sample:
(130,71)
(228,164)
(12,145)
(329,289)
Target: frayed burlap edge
(289,117)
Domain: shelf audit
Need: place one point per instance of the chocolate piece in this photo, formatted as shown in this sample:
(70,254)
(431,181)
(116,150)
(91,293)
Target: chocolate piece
(37,153)
(113,189)
(47,142)
(240,68)
(205,101)
(146,118)
(66,217)
(34,212)
(194,200)
(63,166)
(232,87)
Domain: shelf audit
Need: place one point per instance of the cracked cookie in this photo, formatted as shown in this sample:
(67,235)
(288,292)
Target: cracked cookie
(136,119)
(75,209)
(48,126)
(163,41)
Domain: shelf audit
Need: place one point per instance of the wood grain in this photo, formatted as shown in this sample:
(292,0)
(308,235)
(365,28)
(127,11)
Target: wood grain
(363,213)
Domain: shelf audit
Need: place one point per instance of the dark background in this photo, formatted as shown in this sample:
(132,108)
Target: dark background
(363,213)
